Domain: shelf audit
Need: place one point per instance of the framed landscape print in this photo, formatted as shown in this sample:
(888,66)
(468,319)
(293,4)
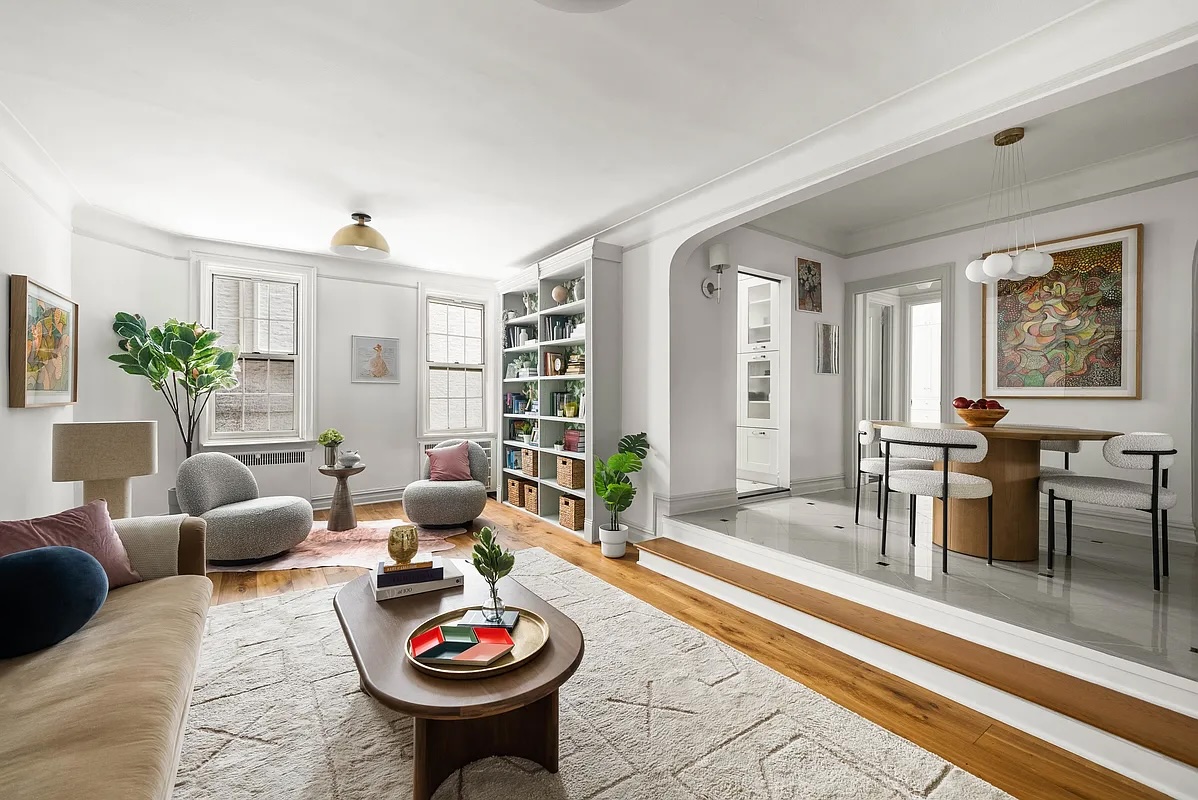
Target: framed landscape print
(374,359)
(1072,333)
(809,286)
(43,349)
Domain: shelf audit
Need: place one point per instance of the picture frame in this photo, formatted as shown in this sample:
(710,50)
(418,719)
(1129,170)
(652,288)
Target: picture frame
(374,359)
(809,286)
(1074,333)
(827,349)
(43,346)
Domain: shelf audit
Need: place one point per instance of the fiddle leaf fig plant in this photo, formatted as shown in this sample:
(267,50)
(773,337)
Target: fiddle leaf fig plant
(182,360)
(612,484)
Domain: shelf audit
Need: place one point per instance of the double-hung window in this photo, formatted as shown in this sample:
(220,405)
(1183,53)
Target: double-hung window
(262,312)
(455,363)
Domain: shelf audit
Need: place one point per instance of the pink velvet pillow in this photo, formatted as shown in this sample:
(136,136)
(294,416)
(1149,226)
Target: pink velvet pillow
(450,463)
(87,528)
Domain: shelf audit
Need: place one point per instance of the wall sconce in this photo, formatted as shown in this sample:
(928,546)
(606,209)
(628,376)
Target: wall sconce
(719,259)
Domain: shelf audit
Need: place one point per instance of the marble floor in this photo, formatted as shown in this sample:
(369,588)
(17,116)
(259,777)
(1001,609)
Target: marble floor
(1100,598)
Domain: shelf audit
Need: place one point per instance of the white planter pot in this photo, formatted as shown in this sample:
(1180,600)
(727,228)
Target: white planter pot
(612,543)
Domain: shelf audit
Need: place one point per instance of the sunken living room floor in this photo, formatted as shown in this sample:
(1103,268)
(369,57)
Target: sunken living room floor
(1022,765)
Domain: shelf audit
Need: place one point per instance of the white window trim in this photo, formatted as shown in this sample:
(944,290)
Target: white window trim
(489,359)
(203,267)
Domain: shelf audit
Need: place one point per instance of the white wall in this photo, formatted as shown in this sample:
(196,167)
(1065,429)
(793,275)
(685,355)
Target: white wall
(120,266)
(1170,217)
(35,240)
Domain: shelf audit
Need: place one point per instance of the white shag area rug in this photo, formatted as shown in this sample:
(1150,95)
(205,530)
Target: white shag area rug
(657,710)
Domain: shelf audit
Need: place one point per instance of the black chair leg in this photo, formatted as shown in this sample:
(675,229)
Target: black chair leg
(880,498)
(944,534)
(885,516)
(1068,527)
(857,505)
(911,500)
(1052,526)
(990,529)
(1165,543)
(1156,552)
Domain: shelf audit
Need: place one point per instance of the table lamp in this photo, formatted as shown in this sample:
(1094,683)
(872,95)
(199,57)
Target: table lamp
(105,455)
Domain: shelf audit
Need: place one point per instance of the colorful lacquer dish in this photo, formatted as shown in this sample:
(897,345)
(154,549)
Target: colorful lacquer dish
(462,645)
(447,647)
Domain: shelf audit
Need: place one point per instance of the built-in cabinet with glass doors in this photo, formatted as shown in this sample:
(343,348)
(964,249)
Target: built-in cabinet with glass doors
(760,395)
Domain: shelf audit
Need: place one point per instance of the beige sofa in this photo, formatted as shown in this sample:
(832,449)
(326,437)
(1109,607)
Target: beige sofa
(100,715)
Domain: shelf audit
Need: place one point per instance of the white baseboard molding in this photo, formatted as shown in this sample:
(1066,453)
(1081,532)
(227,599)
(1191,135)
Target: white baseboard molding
(391,495)
(1138,763)
(1120,520)
(673,505)
(814,485)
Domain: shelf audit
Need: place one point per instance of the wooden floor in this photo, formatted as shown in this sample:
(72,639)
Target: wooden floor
(1022,765)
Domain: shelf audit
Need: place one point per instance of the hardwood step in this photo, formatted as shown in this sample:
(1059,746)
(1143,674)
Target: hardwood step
(1163,730)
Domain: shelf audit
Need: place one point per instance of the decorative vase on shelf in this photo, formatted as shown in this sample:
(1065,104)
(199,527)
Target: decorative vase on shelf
(403,543)
(494,607)
(349,459)
(560,293)
(330,455)
(570,408)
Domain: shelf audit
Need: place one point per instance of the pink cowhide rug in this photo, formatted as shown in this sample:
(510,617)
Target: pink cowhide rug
(363,546)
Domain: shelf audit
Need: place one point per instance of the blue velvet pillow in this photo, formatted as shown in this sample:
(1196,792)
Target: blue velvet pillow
(46,594)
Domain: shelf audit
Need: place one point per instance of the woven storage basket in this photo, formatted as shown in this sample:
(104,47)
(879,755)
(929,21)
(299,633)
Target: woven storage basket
(530,497)
(571,512)
(515,492)
(528,462)
(570,472)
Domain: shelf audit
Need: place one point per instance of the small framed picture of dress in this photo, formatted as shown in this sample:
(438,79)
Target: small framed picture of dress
(374,359)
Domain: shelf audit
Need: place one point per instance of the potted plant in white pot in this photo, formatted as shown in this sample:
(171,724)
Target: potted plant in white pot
(615,489)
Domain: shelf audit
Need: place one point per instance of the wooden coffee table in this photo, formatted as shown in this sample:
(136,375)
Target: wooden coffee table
(456,722)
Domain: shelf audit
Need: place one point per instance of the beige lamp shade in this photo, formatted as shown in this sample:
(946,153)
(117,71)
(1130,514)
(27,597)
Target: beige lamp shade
(105,455)
(360,240)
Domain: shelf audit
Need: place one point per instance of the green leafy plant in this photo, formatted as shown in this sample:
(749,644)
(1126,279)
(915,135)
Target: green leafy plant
(330,438)
(612,483)
(492,561)
(176,356)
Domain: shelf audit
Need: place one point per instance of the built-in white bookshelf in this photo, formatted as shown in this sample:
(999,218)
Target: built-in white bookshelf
(580,326)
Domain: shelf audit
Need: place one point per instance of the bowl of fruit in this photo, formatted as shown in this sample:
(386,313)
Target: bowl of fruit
(981,413)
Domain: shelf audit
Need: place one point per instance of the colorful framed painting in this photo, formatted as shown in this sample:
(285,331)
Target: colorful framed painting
(809,286)
(374,359)
(43,333)
(1073,333)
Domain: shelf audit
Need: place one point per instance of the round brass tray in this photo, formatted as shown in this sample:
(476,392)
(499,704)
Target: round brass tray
(530,635)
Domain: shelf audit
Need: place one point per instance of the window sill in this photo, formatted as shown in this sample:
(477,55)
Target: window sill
(244,444)
(425,438)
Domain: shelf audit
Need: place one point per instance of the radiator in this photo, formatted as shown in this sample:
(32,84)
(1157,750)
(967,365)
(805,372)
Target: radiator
(280,472)
(488,446)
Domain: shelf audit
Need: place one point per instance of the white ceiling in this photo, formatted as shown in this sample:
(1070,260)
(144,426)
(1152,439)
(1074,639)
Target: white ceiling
(1131,120)
(479,134)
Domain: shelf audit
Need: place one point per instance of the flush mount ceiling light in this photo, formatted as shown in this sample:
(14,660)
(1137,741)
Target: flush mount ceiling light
(582,6)
(1009,216)
(359,240)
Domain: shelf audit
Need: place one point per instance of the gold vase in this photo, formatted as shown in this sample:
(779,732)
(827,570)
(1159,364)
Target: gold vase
(403,543)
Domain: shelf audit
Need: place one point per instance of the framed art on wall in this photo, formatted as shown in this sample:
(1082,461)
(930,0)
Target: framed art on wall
(827,349)
(374,359)
(809,286)
(1073,333)
(43,333)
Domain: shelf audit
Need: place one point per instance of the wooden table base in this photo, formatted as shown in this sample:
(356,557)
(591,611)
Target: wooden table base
(1013,466)
(445,746)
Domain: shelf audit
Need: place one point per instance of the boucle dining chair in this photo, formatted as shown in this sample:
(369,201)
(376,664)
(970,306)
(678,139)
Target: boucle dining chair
(1065,446)
(872,467)
(1146,451)
(946,446)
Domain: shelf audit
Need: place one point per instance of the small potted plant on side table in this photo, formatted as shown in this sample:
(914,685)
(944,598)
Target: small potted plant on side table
(493,563)
(615,488)
(330,440)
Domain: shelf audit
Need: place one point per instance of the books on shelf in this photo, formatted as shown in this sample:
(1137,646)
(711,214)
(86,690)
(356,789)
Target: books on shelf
(576,364)
(451,577)
(574,441)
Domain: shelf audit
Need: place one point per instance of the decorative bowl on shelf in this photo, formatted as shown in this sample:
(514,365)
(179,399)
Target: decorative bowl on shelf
(981,417)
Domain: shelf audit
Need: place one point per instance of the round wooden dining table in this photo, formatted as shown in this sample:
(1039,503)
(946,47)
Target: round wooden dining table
(1012,465)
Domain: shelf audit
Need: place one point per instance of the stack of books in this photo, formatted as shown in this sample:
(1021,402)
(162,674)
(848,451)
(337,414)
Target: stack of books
(576,364)
(425,574)
(574,441)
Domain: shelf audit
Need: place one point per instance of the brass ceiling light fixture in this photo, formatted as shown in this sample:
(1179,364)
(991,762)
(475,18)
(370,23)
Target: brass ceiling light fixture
(359,240)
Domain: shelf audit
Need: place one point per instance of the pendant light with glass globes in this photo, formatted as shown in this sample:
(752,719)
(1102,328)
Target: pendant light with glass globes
(1009,214)
(359,240)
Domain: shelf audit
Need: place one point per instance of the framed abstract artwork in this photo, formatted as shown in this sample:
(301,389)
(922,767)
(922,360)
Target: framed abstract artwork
(827,349)
(43,349)
(809,286)
(374,359)
(1073,333)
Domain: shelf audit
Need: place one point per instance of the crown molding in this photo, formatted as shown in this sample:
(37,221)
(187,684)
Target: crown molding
(27,164)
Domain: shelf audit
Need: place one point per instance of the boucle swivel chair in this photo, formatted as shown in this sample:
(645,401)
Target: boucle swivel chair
(443,504)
